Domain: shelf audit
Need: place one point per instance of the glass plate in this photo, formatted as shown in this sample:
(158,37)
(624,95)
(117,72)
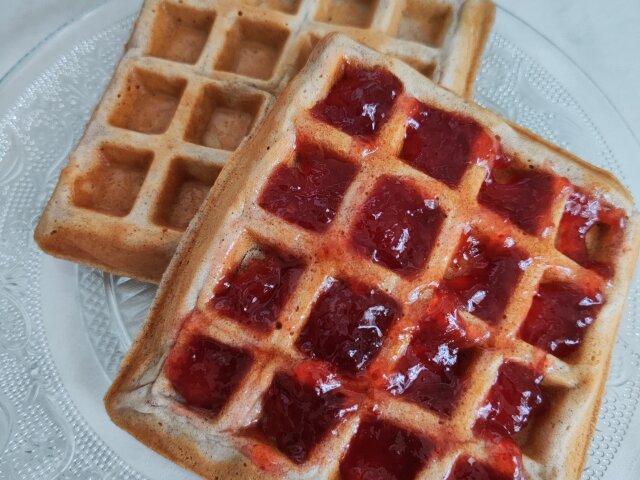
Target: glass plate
(64,328)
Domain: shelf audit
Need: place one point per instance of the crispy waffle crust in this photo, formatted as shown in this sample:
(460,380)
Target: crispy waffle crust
(233,228)
(198,76)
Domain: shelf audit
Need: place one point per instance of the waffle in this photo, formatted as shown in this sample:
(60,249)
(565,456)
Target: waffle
(423,291)
(196,78)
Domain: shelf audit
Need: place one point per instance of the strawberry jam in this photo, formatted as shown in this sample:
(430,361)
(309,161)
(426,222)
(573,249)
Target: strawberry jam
(315,374)
(255,293)
(206,372)
(521,196)
(360,102)
(381,450)
(397,226)
(589,218)
(471,469)
(309,192)
(512,401)
(484,273)
(347,326)
(560,316)
(443,144)
(430,371)
(296,416)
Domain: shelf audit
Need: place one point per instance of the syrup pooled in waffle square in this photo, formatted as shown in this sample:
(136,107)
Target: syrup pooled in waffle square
(386,281)
(196,78)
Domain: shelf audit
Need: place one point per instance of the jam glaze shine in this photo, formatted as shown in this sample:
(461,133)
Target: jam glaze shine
(560,315)
(204,371)
(299,410)
(516,396)
(443,144)
(430,373)
(520,195)
(360,102)
(397,226)
(382,450)
(484,272)
(514,400)
(309,192)
(296,416)
(587,216)
(347,325)
(255,293)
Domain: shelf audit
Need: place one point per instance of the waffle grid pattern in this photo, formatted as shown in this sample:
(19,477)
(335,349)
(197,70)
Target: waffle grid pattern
(197,77)
(137,182)
(186,98)
(265,43)
(277,351)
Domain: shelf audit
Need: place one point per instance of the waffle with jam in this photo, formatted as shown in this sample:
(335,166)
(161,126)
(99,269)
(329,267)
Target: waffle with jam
(386,281)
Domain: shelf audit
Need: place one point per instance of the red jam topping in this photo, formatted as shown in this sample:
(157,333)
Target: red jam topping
(443,144)
(360,102)
(590,227)
(255,293)
(471,469)
(381,450)
(347,326)
(484,273)
(317,375)
(310,192)
(296,416)
(397,226)
(206,372)
(521,196)
(430,371)
(560,316)
(512,401)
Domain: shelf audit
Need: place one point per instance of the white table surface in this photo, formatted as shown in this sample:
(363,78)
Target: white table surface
(601,37)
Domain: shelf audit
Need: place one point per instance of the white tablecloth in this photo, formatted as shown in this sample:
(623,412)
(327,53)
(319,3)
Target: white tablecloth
(602,37)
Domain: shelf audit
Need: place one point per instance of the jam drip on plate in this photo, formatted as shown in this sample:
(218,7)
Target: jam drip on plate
(560,315)
(382,450)
(397,226)
(471,469)
(309,192)
(206,372)
(484,273)
(360,102)
(255,293)
(347,326)
(443,144)
(297,415)
(590,232)
(520,195)
(430,371)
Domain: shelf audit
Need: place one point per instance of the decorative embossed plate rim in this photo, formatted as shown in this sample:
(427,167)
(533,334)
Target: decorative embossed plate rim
(52,424)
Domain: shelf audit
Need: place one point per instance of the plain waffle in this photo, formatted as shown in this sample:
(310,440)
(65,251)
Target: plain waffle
(196,78)
(385,279)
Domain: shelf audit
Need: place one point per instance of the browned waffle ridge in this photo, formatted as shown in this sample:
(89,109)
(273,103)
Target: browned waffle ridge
(231,223)
(196,77)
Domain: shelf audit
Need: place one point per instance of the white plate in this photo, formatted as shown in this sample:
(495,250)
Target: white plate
(63,328)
